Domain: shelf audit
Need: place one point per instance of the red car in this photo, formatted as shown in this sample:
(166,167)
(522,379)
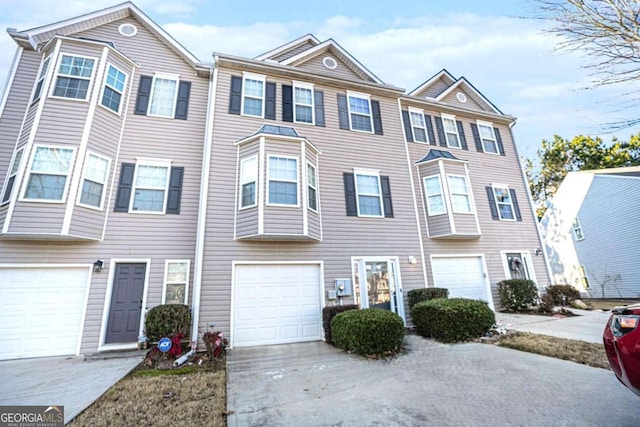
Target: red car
(622,343)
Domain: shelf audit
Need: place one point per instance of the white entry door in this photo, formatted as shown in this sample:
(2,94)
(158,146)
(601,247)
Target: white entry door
(276,304)
(377,284)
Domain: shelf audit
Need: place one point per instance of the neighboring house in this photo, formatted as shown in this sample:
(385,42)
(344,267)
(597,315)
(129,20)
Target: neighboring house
(256,191)
(591,232)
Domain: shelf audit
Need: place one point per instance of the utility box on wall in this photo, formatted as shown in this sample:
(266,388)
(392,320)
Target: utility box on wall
(343,287)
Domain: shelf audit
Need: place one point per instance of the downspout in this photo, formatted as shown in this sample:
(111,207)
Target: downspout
(533,209)
(202,211)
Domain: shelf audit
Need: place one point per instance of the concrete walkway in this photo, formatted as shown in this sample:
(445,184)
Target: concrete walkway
(71,382)
(432,384)
(587,326)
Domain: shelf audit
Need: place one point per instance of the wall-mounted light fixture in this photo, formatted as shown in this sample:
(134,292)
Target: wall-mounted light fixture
(97,266)
(412,259)
(537,251)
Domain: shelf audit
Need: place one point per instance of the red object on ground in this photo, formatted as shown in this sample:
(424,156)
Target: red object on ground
(621,339)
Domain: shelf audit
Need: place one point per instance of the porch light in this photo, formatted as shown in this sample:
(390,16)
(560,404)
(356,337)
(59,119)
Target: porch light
(537,251)
(412,259)
(97,266)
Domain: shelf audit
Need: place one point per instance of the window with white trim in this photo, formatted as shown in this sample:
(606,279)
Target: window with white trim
(418,125)
(94,178)
(73,77)
(253,94)
(113,89)
(50,167)
(360,117)
(504,203)
(459,191)
(248,179)
(435,195)
(577,229)
(283,180)
(11,176)
(451,131)
(150,185)
(487,137)
(164,92)
(369,195)
(303,103)
(176,282)
(312,187)
(43,73)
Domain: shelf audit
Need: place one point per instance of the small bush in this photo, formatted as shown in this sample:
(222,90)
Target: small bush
(167,320)
(517,294)
(546,304)
(328,313)
(418,295)
(452,320)
(368,332)
(558,291)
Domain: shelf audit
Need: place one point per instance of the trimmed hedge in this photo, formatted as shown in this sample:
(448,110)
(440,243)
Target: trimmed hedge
(327,315)
(452,320)
(368,332)
(558,291)
(167,320)
(418,295)
(517,294)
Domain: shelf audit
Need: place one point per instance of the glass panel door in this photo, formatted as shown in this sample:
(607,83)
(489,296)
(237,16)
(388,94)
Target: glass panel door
(518,268)
(377,285)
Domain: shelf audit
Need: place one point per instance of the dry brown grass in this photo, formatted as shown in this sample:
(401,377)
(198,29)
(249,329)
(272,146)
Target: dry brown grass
(576,351)
(608,303)
(196,399)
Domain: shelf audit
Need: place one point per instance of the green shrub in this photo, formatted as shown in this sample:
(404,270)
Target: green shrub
(328,313)
(517,294)
(167,320)
(368,332)
(546,304)
(418,295)
(558,291)
(452,320)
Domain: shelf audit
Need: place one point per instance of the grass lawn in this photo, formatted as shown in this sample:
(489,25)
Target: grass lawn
(586,353)
(188,396)
(608,303)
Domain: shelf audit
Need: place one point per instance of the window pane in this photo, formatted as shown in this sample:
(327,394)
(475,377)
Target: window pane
(175,293)
(419,135)
(284,193)
(253,107)
(486,132)
(461,203)
(313,201)
(435,204)
(71,88)
(111,99)
(249,170)
(417,119)
(116,79)
(433,185)
(449,126)
(177,272)
(458,184)
(151,176)
(16,162)
(359,105)
(303,96)
(76,66)
(359,122)
(148,200)
(8,189)
(283,168)
(304,114)
(53,160)
(162,98)
(248,194)
(47,187)
(368,184)
(502,195)
(369,205)
(311,175)
(253,88)
(506,211)
(91,193)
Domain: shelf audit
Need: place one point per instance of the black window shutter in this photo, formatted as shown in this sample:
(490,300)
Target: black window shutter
(287,103)
(432,137)
(343,111)
(463,139)
(318,100)
(182,103)
(406,121)
(386,196)
(476,137)
(440,129)
(350,194)
(270,101)
(499,141)
(124,187)
(175,190)
(144,94)
(516,208)
(235,98)
(492,203)
(377,118)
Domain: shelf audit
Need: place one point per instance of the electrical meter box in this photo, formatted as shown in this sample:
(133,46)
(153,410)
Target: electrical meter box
(343,287)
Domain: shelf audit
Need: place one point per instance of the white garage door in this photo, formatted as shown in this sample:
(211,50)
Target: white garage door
(463,276)
(41,310)
(276,304)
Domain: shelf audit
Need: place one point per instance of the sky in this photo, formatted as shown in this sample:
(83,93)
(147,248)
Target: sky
(510,59)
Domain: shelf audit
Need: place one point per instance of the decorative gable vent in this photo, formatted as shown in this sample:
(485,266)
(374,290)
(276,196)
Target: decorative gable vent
(461,97)
(128,30)
(329,63)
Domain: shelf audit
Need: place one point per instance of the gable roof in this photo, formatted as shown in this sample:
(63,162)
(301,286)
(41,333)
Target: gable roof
(464,83)
(33,37)
(440,75)
(292,45)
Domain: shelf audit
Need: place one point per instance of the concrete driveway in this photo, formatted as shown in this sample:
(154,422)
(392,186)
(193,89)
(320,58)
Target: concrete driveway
(314,384)
(68,381)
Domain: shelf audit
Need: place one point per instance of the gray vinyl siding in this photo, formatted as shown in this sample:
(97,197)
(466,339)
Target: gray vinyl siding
(343,237)
(314,65)
(439,225)
(434,89)
(293,51)
(610,224)
(484,170)
(470,104)
(132,236)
